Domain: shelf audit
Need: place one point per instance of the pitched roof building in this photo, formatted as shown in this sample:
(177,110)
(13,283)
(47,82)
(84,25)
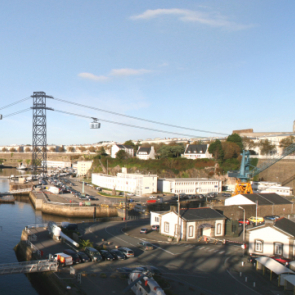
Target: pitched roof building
(196,151)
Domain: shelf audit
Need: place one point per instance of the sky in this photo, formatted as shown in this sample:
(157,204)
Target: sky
(206,65)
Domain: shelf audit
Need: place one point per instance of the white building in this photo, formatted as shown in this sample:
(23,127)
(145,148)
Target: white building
(146,153)
(189,185)
(83,167)
(271,187)
(196,151)
(118,147)
(272,240)
(193,223)
(138,184)
(58,164)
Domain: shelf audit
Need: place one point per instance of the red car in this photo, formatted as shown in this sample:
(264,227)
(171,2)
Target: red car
(282,260)
(241,221)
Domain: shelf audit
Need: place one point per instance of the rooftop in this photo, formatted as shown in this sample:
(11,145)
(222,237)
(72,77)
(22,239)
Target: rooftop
(267,199)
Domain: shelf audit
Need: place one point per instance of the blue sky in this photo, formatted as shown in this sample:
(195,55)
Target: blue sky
(207,65)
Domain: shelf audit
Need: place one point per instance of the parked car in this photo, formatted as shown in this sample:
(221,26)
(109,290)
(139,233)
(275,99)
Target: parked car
(241,221)
(74,254)
(271,217)
(153,197)
(152,269)
(71,226)
(144,231)
(226,195)
(155,227)
(83,257)
(106,255)
(118,254)
(127,252)
(282,260)
(93,254)
(253,219)
(146,246)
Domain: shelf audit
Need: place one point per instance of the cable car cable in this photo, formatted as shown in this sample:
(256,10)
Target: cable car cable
(136,118)
(16,113)
(9,105)
(129,125)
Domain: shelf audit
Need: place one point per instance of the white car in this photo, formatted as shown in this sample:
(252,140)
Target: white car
(153,197)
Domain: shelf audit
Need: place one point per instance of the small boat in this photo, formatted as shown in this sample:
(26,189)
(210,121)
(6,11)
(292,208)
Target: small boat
(21,167)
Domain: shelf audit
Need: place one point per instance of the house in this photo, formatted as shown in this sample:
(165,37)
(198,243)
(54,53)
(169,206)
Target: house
(83,167)
(267,204)
(118,147)
(146,153)
(271,240)
(189,185)
(196,151)
(193,223)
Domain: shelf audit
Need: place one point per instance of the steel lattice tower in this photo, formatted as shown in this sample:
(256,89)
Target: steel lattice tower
(39,153)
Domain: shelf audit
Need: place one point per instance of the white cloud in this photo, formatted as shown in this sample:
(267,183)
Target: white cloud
(93,77)
(128,72)
(114,73)
(185,15)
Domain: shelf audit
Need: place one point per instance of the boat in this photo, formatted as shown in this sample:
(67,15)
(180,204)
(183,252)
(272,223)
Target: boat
(22,167)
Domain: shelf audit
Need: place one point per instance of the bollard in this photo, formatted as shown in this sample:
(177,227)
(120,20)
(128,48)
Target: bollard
(240,273)
(254,284)
(246,279)
(242,263)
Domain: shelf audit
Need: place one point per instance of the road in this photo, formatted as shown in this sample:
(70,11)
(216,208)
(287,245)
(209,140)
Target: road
(206,268)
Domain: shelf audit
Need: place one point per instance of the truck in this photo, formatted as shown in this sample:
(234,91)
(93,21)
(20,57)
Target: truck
(63,259)
(54,190)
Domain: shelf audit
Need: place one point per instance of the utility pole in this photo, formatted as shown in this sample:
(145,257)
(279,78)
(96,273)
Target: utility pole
(244,219)
(178,218)
(39,154)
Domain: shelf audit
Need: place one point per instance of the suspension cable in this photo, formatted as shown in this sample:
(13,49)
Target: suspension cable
(9,105)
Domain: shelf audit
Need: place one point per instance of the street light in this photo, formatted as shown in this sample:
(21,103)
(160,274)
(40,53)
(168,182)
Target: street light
(243,223)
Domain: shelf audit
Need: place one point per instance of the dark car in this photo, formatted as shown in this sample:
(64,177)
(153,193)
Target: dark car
(271,217)
(124,270)
(90,198)
(74,254)
(84,257)
(144,231)
(117,254)
(152,269)
(71,226)
(93,254)
(106,255)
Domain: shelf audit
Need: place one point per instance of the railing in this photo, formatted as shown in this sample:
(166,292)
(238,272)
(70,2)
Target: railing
(28,267)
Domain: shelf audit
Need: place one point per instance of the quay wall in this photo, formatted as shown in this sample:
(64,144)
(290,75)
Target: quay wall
(73,211)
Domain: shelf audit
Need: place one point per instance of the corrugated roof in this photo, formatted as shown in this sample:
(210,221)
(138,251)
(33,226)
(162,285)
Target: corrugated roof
(285,225)
(267,199)
(200,214)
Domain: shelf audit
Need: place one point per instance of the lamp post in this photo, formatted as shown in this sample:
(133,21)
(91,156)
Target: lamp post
(243,223)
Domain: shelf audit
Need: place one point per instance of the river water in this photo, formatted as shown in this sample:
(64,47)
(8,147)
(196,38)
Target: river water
(13,219)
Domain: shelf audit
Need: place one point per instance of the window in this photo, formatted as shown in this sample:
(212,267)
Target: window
(218,229)
(191,231)
(156,219)
(278,248)
(258,245)
(166,227)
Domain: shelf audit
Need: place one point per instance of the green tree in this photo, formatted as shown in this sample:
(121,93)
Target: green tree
(231,150)
(171,151)
(122,155)
(266,147)
(71,149)
(129,142)
(215,148)
(236,138)
(248,143)
(285,142)
(91,149)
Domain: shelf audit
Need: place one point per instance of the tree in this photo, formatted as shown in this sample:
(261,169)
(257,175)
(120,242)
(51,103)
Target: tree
(27,149)
(82,149)
(61,149)
(129,142)
(122,155)
(44,149)
(71,149)
(231,150)
(285,142)
(91,149)
(236,138)
(19,149)
(4,149)
(12,150)
(52,149)
(248,143)
(215,148)
(168,151)
(266,147)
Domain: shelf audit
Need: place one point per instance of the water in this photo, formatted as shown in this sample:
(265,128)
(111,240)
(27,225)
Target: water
(13,219)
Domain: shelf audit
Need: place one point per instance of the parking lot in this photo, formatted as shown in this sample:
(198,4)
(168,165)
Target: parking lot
(193,268)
